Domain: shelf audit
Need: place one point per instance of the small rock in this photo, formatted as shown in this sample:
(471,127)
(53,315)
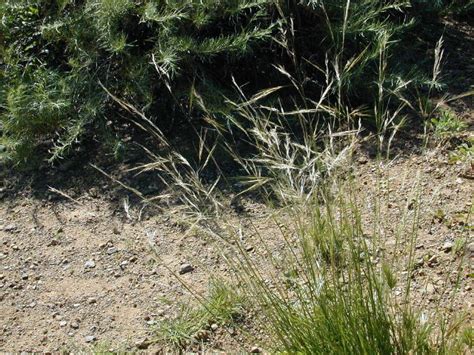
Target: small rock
(90,338)
(433,260)
(362,160)
(63,323)
(160,312)
(111,250)
(430,288)
(89,264)
(9,228)
(24,277)
(32,304)
(185,268)
(123,264)
(255,350)
(53,243)
(92,300)
(202,335)
(470,248)
(214,326)
(55,314)
(74,325)
(447,246)
(142,344)
(419,263)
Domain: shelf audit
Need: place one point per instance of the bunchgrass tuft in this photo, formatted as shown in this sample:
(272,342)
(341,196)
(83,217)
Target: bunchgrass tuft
(223,306)
(334,290)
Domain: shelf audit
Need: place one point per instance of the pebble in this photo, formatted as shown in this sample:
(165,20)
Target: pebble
(430,288)
(433,260)
(74,325)
(255,350)
(447,246)
(160,312)
(142,344)
(111,250)
(201,335)
(54,314)
(185,268)
(9,228)
(214,326)
(63,323)
(53,243)
(89,264)
(90,338)
(470,248)
(92,300)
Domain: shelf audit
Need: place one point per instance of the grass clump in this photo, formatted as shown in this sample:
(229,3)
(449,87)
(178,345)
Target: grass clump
(464,152)
(447,124)
(223,306)
(344,297)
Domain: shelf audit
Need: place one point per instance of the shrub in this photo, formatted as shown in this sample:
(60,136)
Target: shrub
(64,49)
(163,56)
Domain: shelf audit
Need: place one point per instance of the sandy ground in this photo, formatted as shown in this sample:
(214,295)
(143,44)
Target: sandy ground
(75,274)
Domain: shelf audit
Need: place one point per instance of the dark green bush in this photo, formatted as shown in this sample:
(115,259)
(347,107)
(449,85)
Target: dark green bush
(157,54)
(55,53)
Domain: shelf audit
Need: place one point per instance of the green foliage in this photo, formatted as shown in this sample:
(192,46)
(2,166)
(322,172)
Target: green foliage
(343,301)
(160,56)
(55,53)
(179,330)
(443,6)
(464,152)
(447,124)
(223,306)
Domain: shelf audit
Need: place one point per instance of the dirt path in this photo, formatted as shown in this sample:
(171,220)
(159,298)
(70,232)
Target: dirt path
(77,274)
